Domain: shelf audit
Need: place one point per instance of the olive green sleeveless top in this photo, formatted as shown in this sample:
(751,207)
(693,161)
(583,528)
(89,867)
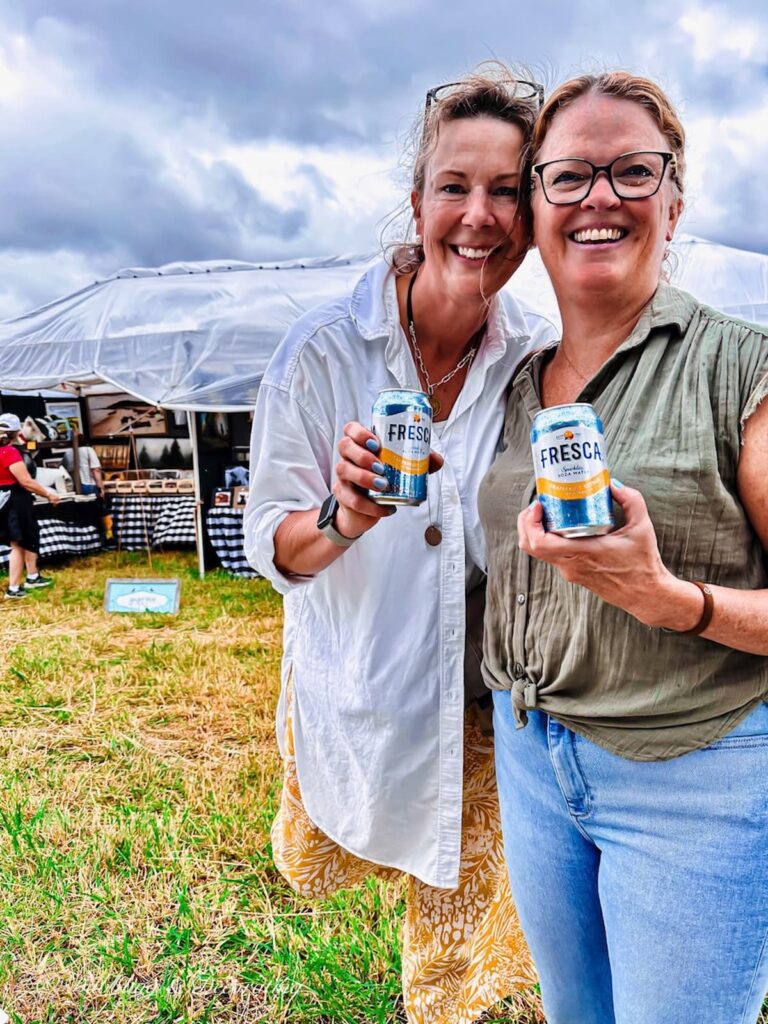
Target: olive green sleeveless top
(673,399)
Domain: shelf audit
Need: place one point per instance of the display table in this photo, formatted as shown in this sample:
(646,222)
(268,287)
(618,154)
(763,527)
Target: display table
(225,532)
(157,519)
(69,528)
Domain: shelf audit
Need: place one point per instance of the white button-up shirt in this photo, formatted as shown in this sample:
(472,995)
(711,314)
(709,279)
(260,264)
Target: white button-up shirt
(374,644)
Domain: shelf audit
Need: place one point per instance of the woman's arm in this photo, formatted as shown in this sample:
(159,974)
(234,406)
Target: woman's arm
(21,473)
(625,567)
(300,548)
(96,470)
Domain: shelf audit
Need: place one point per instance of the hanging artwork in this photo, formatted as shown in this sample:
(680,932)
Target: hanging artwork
(214,430)
(118,415)
(65,417)
(164,453)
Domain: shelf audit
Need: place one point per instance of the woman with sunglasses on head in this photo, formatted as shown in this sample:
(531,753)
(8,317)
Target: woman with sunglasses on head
(631,719)
(378,606)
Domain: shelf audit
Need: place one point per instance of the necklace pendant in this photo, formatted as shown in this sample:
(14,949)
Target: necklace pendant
(433,535)
(436,404)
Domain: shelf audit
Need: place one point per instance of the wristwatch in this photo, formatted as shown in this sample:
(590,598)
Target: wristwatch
(326,523)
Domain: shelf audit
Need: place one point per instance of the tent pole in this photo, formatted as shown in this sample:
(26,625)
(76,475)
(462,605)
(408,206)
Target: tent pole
(192,424)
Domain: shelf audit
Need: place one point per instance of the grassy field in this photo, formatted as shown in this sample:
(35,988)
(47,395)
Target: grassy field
(139,779)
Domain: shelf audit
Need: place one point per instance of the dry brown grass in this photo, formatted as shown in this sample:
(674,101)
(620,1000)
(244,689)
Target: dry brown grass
(139,769)
(139,779)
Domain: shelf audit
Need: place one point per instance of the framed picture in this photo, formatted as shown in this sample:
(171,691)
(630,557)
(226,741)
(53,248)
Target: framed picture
(240,497)
(137,595)
(176,422)
(66,418)
(112,456)
(222,498)
(164,452)
(240,429)
(53,463)
(213,429)
(122,414)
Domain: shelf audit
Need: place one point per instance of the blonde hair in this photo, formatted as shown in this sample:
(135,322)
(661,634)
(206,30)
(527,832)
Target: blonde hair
(626,86)
(492,89)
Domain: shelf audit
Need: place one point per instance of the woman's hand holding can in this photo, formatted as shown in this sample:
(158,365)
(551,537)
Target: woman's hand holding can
(359,471)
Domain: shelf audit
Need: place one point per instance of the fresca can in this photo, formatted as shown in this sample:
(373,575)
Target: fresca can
(572,478)
(402,421)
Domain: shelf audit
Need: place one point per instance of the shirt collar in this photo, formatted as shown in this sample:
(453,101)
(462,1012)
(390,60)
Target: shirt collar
(373,307)
(668,307)
(369,306)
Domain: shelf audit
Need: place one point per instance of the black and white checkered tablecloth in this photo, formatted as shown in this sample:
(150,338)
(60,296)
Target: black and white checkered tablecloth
(158,518)
(72,532)
(225,531)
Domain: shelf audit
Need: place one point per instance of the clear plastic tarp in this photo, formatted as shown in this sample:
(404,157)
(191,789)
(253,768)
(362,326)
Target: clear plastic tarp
(200,335)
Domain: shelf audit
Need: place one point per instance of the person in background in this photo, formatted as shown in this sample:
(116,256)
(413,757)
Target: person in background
(18,524)
(387,769)
(91,476)
(630,715)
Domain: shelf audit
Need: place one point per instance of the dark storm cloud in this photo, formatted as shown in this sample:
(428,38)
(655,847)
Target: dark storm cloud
(114,196)
(349,71)
(122,163)
(315,73)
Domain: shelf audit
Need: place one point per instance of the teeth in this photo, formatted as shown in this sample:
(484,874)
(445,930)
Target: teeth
(598,235)
(474,254)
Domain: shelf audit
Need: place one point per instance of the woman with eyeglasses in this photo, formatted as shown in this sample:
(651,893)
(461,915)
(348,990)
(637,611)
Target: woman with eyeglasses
(385,771)
(631,720)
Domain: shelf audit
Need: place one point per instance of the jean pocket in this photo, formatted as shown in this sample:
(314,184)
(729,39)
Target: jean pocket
(751,732)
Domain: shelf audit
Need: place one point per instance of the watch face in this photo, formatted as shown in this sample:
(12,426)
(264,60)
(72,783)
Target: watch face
(327,512)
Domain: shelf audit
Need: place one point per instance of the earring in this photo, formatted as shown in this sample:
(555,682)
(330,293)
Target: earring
(417,239)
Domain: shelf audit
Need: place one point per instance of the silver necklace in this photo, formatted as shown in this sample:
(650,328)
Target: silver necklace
(578,373)
(465,360)
(433,534)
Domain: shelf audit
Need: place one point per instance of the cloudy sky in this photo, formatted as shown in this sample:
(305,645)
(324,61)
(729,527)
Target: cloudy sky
(160,130)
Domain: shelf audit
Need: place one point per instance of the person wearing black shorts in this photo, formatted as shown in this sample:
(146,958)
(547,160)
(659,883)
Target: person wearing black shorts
(18,525)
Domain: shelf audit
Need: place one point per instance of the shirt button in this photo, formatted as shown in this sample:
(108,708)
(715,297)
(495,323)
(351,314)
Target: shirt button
(518,671)
(521,598)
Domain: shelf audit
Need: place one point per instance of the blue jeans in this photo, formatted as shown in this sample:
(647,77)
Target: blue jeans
(642,887)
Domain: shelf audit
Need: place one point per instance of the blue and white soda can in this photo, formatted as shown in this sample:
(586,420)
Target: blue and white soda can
(402,421)
(572,478)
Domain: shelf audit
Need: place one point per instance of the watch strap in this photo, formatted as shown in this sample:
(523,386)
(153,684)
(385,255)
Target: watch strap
(330,531)
(326,523)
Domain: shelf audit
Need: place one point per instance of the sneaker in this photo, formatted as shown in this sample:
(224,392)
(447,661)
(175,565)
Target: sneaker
(38,581)
(15,594)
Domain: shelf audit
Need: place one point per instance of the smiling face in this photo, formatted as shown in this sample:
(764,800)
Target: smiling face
(473,232)
(604,244)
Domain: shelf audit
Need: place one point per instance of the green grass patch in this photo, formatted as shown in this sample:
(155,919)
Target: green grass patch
(139,779)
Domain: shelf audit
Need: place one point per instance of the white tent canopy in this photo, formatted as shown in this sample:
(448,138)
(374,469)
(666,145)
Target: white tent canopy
(199,335)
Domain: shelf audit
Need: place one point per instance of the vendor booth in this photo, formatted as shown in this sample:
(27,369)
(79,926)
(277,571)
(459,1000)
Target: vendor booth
(191,341)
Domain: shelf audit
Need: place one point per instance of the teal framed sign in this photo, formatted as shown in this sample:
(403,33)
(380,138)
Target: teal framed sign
(142,595)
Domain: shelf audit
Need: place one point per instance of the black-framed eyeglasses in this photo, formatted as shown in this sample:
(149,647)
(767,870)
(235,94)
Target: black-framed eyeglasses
(528,91)
(636,175)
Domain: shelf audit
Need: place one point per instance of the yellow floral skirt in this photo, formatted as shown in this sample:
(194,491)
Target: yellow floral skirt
(463,949)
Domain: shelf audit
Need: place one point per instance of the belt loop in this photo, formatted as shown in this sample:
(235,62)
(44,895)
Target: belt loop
(531,695)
